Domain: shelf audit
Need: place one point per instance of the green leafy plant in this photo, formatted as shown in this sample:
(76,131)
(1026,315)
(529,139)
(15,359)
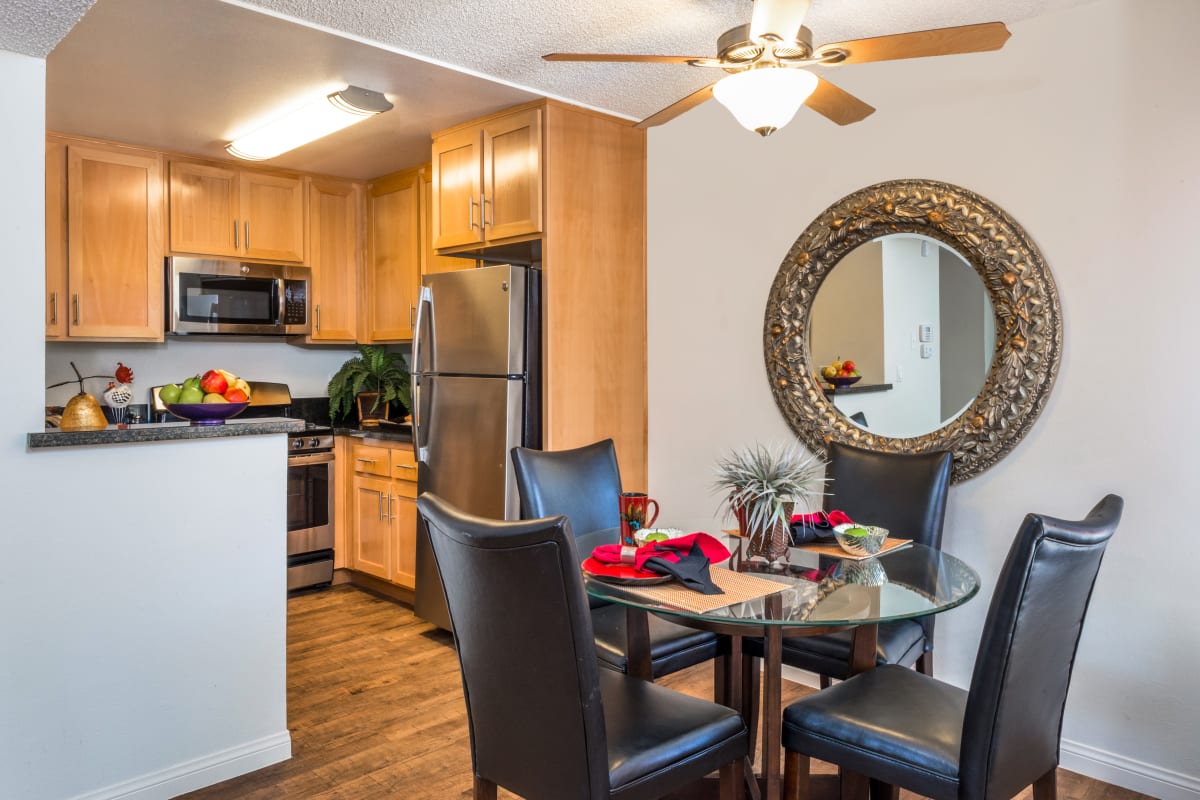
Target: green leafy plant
(374,369)
(762,484)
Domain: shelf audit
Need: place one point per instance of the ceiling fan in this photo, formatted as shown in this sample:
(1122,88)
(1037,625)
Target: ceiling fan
(768,62)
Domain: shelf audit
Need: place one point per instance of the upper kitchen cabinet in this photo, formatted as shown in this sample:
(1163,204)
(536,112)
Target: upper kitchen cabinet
(431,262)
(236,213)
(104,241)
(487,180)
(393,265)
(334,230)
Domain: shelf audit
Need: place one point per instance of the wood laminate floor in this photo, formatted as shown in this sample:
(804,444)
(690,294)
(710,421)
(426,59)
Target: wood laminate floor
(375,710)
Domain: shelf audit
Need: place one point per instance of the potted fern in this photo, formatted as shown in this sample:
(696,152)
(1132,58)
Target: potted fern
(762,486)
(370,381)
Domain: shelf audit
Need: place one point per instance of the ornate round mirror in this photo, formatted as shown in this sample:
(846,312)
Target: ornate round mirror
(946,309)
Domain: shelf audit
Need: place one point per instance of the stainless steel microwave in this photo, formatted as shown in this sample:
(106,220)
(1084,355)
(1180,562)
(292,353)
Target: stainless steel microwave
(211,296)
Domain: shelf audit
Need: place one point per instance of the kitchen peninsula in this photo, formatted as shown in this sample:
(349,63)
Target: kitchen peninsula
(163,431)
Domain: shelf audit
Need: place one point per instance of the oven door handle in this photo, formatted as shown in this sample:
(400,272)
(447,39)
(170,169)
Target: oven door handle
(303,459)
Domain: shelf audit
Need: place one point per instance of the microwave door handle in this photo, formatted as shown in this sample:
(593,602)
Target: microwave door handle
(281,305)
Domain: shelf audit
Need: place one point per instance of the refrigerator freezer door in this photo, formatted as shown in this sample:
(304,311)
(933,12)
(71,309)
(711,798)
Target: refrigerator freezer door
(473,322)
(471,425)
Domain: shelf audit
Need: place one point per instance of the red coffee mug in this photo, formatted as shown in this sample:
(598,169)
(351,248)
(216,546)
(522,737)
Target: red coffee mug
(633,515)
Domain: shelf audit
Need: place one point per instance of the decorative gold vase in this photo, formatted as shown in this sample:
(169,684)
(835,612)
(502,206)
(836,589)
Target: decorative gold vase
(769,542)
(83,413)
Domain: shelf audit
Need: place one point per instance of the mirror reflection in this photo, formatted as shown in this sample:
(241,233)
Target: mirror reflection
(915,319)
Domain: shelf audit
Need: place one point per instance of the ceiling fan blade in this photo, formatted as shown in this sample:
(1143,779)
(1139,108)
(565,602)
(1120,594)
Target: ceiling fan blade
(780,19)
(837,104)
(937,42)
(678,107)
(616,58)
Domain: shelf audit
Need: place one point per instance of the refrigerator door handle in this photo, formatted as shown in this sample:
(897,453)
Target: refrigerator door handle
(425,298)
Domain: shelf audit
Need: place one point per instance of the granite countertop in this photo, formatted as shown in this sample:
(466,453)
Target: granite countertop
(386,433)
(163,432)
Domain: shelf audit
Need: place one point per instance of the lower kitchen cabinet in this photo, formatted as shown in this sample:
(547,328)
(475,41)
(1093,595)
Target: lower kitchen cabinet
(383,517)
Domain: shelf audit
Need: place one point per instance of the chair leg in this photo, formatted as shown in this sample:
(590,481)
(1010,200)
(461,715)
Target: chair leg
(733,778)
(484,789)
(1046,787)
(884,791)
(796,776)
(826,681)
(925,663)
(751,697)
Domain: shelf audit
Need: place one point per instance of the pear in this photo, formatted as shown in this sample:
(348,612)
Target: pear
(83,413)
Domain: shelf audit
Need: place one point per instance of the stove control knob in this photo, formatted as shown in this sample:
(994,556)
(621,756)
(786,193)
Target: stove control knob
(297,444)
(314,442)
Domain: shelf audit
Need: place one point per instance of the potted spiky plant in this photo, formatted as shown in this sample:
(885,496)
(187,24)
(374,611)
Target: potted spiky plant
(370,381)
(762,486)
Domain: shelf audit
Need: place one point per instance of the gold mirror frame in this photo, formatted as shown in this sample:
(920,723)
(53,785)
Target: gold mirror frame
(1024,300)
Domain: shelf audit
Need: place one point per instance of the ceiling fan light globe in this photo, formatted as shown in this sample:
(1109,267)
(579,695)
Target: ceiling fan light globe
(764,100)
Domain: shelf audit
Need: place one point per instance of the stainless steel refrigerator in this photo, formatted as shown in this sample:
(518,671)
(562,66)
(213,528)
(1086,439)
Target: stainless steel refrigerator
(476,395)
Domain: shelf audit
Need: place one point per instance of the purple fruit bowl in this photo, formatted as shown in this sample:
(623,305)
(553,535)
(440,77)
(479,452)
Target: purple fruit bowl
(206,413)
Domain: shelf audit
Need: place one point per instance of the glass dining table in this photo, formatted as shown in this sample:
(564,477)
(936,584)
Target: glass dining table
(805,594)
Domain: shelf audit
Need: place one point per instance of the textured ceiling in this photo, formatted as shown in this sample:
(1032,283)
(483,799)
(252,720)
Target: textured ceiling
(189,75)
(505,39)
(33,27)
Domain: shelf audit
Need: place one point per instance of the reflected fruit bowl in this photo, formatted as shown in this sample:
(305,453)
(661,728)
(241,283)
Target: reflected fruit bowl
(206,413)
(841,381)
(860,540)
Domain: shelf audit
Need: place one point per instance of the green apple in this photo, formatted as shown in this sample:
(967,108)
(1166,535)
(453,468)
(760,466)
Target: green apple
(856,531)
(170,393)
(191,394)
(193,383)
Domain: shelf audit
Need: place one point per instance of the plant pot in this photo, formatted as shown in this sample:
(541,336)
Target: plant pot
(369,412)
(769,542)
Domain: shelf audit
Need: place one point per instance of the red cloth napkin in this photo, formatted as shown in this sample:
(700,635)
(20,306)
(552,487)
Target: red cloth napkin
(668,550)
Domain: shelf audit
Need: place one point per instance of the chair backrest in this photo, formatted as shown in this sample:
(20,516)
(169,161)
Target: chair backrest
(525,646)
(1023,668)
(904,493)
(582,483)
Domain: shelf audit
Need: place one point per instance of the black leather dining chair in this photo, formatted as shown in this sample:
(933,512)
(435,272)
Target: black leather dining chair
(900,728)
(583,484)
(545,721)
(905,494)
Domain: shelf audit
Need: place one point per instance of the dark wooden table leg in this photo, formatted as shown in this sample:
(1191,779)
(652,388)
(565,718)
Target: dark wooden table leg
(772,703)
(637,643)
(863,642)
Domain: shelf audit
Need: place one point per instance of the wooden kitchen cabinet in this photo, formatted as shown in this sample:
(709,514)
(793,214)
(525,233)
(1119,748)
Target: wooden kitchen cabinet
(104,242)
(383,535)
(431,262)
(229,212)
(392,270)
(487,180)
(334,230)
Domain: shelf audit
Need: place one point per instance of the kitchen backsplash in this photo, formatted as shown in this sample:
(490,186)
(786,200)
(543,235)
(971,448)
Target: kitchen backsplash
(306,370)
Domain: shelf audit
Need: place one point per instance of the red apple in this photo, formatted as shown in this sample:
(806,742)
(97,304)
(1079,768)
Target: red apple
(213,382)
(236,395)
(849,366)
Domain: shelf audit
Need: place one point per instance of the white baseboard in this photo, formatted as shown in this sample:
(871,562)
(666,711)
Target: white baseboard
(1101,765)
(1127,773)
(200,772)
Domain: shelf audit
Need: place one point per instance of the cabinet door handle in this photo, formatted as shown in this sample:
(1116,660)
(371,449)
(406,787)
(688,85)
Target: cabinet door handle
(235,234)
(390,515)
(471,213)
(246,227)
(318,309)
(75,300)
(483,204)
(412,315)
(54,308)
(366,460)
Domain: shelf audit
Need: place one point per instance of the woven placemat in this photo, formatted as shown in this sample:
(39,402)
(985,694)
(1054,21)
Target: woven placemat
(738,588)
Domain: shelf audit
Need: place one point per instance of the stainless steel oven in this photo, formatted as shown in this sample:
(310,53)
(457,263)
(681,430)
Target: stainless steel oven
(310,505)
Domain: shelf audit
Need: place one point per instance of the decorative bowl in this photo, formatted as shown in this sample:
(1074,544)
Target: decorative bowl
(843,380)
(865,544)
(206,413)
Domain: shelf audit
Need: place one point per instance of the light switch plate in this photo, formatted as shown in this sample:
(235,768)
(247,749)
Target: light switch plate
(926,351)
(925,332)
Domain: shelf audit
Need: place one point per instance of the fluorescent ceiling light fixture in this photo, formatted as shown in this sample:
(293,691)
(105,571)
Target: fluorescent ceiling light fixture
(764,100)
(309,123)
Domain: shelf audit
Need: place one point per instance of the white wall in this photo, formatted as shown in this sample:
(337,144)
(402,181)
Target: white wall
(142,594)
(1083,129)
(306,369)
